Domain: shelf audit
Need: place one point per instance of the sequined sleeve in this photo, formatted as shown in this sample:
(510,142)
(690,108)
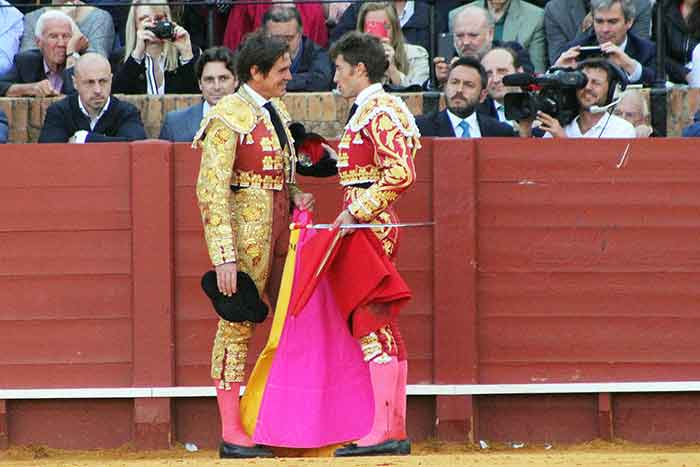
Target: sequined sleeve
(214,191)
(395,153)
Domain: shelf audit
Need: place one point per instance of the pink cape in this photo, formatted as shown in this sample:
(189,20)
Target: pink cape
(318,391)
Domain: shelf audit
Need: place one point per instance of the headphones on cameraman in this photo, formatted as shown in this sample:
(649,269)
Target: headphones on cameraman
(616,76)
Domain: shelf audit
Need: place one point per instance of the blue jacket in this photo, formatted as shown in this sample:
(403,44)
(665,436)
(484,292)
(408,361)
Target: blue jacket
(694,128)
(3,127)
(181,125)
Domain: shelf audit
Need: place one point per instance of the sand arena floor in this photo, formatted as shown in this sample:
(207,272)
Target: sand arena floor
(425,455)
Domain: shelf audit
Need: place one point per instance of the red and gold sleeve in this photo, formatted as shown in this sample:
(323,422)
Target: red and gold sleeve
(394,154)
(214,191)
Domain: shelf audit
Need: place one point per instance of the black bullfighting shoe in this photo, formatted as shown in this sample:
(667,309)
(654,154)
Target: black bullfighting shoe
(387,448)
(404,447)
(234,451)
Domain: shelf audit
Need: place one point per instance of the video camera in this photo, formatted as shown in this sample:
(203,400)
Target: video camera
(553,93)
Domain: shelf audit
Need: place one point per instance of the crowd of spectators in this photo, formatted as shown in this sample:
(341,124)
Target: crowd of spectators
(155,49)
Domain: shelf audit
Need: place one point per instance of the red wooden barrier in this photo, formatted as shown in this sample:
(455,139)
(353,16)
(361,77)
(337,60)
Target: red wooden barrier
(547,263)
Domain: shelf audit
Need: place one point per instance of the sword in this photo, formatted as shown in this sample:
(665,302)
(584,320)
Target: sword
(296,225)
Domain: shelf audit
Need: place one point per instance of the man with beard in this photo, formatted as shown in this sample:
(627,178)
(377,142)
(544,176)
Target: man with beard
(464,90)
(593,120)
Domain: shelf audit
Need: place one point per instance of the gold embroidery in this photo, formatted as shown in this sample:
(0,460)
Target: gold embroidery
(230,351)
(373,350)
(213,189)
(359,174)
(244,178)
(266,144)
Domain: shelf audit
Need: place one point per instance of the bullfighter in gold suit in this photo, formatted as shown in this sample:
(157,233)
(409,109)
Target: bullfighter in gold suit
(246,181)
(375,165)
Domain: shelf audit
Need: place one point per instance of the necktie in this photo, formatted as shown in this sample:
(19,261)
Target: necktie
(464,126)
(277,123)
(353,109)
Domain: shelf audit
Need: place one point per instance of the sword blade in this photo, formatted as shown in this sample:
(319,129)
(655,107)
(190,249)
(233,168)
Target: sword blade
(364,226)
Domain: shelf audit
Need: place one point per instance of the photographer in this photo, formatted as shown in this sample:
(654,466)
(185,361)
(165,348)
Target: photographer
(612,39)
(158,56)
(595,101)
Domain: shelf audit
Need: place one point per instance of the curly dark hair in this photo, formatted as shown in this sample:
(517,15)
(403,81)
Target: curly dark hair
(358,47)
(260,50)
(215,54)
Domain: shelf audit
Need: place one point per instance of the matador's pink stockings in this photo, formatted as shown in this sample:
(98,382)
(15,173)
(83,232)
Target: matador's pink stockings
(384,379)
(231,428)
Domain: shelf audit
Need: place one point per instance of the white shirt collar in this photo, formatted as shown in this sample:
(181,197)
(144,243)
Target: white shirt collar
(624,44)
(407,14)
(257,98)
(93,122)
(205,108)
(474,130)
(367,92)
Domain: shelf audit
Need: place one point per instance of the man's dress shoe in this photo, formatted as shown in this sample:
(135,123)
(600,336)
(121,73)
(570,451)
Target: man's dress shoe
(234,451)
(386,448)
(404,447)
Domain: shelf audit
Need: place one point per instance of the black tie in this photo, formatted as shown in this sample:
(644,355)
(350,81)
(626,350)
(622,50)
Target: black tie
(277,123)
(353,109)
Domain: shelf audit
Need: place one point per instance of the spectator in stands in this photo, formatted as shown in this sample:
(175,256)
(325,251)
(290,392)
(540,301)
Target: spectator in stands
(118,10)
(47,71)
(694,128)
(216,73)
(333,13)
(153,65)
(11,27)
(464,90)
(92,115)
(414,17)
(594,119)
(499,62)
(409,65)
(612,20)
(566,21)
(247,18)
(633,107)
(311,65)
(94,24)
(517,21)
(4,128)
(473,29)
(681,30)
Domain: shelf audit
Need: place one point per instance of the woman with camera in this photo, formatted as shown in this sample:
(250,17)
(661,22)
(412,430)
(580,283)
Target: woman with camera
(158,56)
(408,64)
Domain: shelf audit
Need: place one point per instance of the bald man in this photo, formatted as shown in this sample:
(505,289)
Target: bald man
(92,115)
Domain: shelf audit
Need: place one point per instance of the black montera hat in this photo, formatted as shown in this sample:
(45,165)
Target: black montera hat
(244,305)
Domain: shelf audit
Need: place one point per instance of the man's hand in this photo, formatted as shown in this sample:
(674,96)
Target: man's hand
(442,70)
(618,57)
(551,125)
(587,22)
(78,43)
(43,88)
(226,276)
(568,58)
(344,218)
(525,127)
(304,201)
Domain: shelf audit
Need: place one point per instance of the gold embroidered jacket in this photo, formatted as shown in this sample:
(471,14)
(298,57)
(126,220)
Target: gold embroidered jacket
(378,145)
(240,148)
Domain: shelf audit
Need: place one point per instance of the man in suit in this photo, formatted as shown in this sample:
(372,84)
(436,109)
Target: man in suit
(499,62)
(311,66)
(571,20)
(517,21)
(473,29)
(465,88)
(612,20)
(216,74)
(47,71)
(92,115)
